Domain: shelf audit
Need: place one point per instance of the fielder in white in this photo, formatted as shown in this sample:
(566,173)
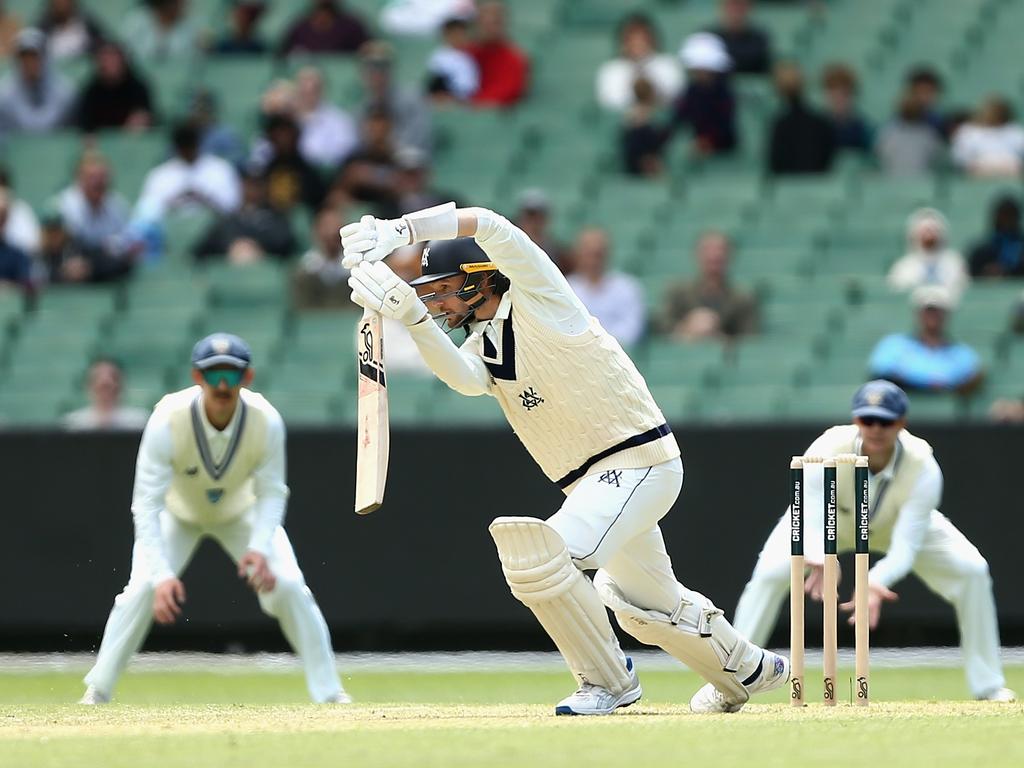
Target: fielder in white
(905,486)
(584,413)
(212,463)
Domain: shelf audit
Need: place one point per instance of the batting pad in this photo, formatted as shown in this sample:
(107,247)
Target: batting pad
(696,633)
(541,575)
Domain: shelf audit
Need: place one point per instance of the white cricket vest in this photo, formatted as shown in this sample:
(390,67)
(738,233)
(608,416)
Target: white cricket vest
(886,497)
(204,492)
(577,403)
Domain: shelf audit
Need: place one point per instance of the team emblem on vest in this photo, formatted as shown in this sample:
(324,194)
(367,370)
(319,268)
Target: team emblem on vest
(214,494)
(530,399)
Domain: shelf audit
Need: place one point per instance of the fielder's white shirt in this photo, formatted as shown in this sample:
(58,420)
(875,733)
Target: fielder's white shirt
(154,473)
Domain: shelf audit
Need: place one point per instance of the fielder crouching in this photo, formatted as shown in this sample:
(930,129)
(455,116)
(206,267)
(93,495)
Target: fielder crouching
(584,413)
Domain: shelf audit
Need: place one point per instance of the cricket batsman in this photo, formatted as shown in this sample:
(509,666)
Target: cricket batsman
(212,463)
(905,487)
(585,415)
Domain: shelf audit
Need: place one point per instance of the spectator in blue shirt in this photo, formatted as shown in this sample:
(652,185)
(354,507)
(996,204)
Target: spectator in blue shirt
(927,360)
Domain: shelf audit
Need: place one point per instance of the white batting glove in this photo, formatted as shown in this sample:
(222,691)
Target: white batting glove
(372,239)
(376,287)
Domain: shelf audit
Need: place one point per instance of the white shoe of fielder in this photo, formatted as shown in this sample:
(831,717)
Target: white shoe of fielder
(339,698)
(774,672)
(94,695)
(1000,694)
(592,699)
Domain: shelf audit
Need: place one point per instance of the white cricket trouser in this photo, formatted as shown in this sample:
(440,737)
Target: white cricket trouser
(290,602)
(947,563)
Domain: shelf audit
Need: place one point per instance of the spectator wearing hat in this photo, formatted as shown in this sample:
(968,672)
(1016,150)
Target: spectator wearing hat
(115,96)
(929,259)
(707,105)
(1001,253)
(503,66)
(927,359)
(189,180)
(252,232)
(70,31)
(327,27)
(242,39)
(802,139)
(409,111)
(33,97)
(533,216)
(15,264)
(852,129)
(319,281)
(104,385)
(452,73)
(640,60)
(748,45)
(329,134)
(992,143)
(161,30)
(614,298)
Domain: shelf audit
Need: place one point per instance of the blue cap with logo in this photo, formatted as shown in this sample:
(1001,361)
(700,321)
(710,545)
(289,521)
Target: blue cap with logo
(221,349)
(882,399)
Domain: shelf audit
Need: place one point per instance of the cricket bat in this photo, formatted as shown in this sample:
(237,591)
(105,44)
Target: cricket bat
(374,441)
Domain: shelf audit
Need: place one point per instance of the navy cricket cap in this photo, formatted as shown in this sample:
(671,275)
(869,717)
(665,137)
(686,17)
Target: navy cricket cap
(221,349)
(882,399)
(444,258)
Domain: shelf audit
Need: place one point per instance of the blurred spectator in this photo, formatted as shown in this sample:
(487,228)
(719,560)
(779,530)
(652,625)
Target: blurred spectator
(614,298)
(641,139)
(534,217)
(162,30)
(291,180)
(749,46)
(413,188)
(1007,410)
(10,26)
(96,216)
(422,18)
(927,360)
(1017,316)
(852,130)
(639,61)
(504,68)
(709,306)
(929,260)
(66,260)
(328,133)
(802,139)
(70,31)
(908,145)
(991,144)
(189,180)
(408,109)
(251,232)
(924,86)
(216,138)
(370,174)
(22,227)
(33,97)
(1001,254)
(452,73)
(319,281)
(15,264)
(243,37)
(707,105)
(325,28)
(115,96)
(104,384)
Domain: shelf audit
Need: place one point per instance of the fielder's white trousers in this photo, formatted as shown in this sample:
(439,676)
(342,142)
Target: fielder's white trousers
(290,602)
(947,563)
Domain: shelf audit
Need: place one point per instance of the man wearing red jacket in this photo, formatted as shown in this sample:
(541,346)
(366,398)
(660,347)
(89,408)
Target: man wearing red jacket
(504,68)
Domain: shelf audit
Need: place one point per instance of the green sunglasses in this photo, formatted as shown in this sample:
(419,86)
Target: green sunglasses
(230,376)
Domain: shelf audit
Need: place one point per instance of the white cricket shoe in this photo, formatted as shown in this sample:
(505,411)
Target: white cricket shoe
(592,699)
(339,698)
(94,695)
(774,672)
(1000,694)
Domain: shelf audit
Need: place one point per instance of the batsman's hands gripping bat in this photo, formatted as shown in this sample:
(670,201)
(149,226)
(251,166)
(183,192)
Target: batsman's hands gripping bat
(377,288)
(371,239)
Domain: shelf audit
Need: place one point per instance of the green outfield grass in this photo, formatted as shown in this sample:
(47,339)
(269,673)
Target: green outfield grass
(197,720)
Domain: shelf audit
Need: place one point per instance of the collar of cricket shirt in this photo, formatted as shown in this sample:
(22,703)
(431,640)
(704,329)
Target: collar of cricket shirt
(205,432)
(486,327)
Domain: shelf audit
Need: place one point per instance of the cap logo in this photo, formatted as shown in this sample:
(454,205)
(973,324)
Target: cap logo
(221,345)
(425,258)
(874,398)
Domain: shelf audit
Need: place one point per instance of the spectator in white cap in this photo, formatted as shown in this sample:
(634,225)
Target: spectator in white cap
(33,97)
(928,360)
(708,105)
(929,259)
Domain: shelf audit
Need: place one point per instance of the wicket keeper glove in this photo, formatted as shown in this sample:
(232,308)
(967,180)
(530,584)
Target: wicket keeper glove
(372,239)
(376,287)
